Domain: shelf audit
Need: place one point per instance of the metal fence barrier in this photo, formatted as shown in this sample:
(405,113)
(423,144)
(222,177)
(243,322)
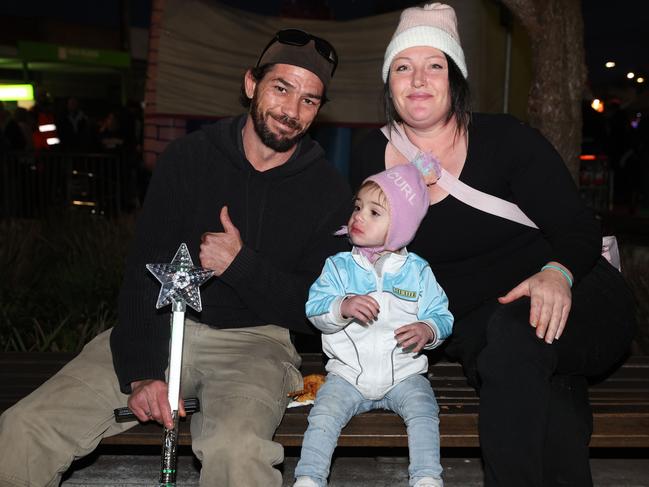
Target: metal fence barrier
(596,183)
(35,184)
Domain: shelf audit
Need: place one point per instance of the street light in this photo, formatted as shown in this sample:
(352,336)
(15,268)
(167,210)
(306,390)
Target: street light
(630,75)
(597,105)
(610,64)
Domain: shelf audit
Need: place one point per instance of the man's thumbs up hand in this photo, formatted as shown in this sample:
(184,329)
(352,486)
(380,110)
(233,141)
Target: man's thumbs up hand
(228,226)
(218,249)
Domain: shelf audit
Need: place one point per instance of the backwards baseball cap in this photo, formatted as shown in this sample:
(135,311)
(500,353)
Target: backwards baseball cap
(299,48)
(408,199)
(433,25)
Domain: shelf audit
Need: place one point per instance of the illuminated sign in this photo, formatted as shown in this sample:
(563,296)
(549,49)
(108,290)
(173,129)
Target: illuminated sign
(16,92)
(43,51)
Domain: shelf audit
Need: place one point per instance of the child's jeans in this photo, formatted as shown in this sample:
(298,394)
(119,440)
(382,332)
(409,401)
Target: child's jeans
(338,401)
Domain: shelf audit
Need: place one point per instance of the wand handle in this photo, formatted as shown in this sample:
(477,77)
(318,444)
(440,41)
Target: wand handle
(169,454)
(170,437)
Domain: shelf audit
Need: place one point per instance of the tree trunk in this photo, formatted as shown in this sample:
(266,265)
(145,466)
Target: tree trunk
(556,32)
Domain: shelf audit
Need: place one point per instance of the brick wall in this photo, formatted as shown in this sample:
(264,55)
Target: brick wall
(159,129)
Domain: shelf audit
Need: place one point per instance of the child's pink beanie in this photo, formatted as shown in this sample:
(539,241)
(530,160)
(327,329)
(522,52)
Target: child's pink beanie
(408,199)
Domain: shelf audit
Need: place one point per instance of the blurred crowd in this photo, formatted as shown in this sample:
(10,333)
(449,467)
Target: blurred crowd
(63,127)
(621,134)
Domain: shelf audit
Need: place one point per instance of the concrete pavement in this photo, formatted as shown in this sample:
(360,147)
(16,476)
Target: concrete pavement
(119,470)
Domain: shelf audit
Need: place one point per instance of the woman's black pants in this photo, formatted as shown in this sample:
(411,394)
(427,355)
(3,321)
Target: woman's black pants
(535,420)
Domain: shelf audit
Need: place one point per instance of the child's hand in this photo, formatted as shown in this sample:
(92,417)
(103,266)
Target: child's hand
(414,335)
(363,308)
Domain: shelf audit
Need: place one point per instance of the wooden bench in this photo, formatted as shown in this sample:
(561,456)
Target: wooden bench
(620,406)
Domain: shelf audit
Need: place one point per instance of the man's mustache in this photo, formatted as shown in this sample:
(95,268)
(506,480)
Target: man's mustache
(288,121)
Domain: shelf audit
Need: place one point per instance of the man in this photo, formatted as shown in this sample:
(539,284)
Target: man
(11,136)
(255,200)
(73,129)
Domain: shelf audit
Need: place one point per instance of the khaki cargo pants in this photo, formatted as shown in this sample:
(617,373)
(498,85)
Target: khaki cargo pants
(241,376)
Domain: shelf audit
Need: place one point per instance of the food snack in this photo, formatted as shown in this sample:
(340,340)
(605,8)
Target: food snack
(312,383)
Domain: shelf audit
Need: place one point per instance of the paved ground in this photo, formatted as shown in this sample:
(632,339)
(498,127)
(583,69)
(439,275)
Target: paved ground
(385,471)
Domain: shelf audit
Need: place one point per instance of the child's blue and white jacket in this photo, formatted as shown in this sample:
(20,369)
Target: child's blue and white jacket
(367,355)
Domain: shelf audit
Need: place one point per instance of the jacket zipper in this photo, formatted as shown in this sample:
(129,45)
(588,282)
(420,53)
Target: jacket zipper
(379,290)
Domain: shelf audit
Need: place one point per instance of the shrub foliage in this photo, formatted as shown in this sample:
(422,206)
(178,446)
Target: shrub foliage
(60,280)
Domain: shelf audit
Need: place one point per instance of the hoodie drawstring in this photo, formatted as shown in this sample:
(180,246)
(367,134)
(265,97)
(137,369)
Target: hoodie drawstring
(260,220)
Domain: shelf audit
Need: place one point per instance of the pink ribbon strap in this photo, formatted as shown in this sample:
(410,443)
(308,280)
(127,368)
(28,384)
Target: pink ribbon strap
(453,186)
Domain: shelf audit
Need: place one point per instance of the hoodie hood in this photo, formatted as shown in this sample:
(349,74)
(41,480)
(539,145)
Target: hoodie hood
(221,133)
(255,190)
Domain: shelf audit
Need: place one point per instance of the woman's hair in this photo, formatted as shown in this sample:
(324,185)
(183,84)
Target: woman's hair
(373,186)
(460,99)
(258,73)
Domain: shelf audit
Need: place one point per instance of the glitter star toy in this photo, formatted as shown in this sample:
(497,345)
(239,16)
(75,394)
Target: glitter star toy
(180,280)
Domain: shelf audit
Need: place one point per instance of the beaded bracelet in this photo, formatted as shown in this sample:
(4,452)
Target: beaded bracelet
(557,268)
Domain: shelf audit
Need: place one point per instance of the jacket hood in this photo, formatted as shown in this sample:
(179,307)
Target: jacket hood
(389,262)
(221,133)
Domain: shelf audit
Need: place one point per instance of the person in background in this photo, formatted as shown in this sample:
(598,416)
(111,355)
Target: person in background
(11,135)
(26,124)
(45,136)
(74,128)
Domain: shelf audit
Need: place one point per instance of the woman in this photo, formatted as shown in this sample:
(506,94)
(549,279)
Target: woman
(537,310)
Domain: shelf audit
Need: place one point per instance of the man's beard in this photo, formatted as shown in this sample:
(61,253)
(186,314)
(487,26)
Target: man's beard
(270,139)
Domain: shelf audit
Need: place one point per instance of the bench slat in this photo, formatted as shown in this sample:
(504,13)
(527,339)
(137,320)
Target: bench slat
(621,429)
(620,406)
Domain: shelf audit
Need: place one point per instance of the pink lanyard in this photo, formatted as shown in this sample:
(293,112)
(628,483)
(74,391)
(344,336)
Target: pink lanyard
(453,186)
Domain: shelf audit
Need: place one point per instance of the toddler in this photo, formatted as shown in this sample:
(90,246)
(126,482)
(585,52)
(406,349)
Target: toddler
(378,306)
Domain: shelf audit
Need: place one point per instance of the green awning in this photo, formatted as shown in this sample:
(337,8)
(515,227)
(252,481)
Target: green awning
(43,52)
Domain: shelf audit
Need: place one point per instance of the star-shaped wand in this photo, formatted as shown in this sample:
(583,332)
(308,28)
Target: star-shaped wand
(180,281)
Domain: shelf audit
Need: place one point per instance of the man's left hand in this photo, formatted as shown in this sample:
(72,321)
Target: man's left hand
(219,249)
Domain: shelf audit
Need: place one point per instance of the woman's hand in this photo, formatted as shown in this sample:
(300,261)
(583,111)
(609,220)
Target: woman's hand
(550,301)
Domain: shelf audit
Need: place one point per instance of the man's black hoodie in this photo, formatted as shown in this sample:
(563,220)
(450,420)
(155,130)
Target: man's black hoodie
(286,217)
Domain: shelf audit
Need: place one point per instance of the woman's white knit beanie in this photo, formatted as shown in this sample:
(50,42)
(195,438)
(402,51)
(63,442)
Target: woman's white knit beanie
(433,25)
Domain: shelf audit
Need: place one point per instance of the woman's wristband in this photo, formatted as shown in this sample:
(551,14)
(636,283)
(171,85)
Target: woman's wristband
(557,268)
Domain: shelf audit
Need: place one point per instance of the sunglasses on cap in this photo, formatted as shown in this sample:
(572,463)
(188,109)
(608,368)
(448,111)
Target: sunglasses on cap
(297,37)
